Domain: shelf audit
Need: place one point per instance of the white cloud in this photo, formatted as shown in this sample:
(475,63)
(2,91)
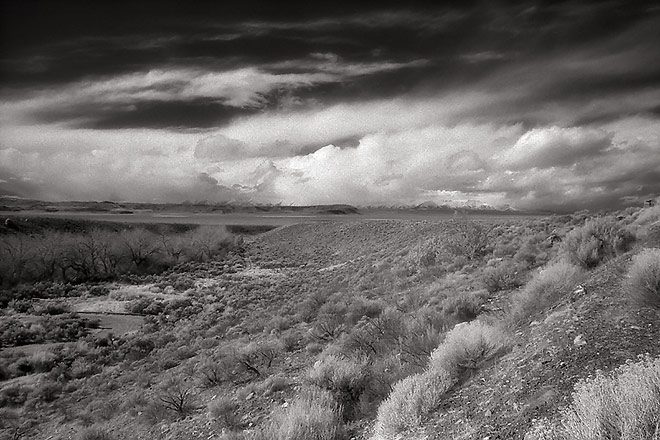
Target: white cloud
(555,146)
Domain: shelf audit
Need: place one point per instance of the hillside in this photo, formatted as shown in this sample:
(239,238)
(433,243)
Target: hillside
(247,342)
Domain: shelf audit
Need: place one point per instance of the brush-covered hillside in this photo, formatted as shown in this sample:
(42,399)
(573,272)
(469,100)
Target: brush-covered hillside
(517,328)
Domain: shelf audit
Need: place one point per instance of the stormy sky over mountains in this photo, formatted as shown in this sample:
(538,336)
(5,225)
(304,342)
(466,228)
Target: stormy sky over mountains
(537,105)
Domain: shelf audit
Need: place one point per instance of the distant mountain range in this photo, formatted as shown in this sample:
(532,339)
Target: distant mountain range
(17,204)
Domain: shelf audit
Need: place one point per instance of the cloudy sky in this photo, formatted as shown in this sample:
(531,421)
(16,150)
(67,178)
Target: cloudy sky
(537,105)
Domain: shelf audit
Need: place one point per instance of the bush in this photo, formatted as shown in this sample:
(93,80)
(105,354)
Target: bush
(624,405)
(467,239)
(462,307)
(95,433)
(313,416)
(643,283)
(178,396)
(411,399)
(223,411)
(467,347)
(544,289)
(505,276)
(373,337)
(595,242)
(346,379)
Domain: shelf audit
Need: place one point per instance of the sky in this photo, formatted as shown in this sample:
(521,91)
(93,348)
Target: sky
(530,105)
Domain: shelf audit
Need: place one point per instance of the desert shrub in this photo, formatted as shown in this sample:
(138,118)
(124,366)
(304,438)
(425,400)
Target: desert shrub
(275,383)
(223,411)
(256,358)
(47,392)
(14,395)
(313,416)
(145,306)
(419,341)
(546,288)
(411,400)
(533,252)
(647,216)
(506,275)
(624,405)
(372,337)
(290,340)
(98,291)
(346,379)
(361,307)
(597,241)
(13,333)
(462,307)
(138,348)
(329,323)
(67,327)
(15,425)
(95,433)
(466,347)
(178,396)
(215,372)
(43,361)
(643,284)
(53,308)
(467,239)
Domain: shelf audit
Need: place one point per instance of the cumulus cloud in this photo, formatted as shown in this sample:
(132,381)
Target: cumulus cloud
(555,146)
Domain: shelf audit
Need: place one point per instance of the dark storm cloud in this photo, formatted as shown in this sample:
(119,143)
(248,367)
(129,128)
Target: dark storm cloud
(196,114)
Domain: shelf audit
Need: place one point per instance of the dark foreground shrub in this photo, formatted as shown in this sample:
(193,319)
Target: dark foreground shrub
(643,284)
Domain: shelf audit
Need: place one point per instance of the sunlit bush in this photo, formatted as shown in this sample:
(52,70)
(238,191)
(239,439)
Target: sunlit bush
(643,284)
(314,415)
(467,347)
(410,401)
(624,405)
(597,241)
(544,289)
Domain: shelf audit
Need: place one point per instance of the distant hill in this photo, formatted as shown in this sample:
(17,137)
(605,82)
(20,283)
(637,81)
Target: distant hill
(18,204)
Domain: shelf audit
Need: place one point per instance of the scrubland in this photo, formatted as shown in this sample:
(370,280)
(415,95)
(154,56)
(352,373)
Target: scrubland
(520,328)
